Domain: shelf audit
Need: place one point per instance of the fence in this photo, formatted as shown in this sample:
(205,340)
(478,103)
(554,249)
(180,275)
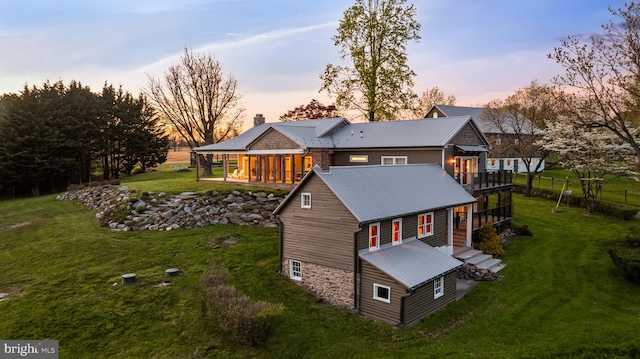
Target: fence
(611,192)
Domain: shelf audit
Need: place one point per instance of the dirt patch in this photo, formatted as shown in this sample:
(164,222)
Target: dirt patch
(9,292)
(229,240)
(21,224)
(178,156)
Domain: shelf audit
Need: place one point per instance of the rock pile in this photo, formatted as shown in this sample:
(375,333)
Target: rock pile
(125,210)
(469,271)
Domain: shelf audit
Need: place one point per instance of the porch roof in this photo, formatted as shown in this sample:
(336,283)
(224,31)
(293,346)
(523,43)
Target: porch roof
(412,263)
(471,148)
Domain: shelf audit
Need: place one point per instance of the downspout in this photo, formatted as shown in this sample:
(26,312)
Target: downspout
(281,235)
(402,307)
(356,272)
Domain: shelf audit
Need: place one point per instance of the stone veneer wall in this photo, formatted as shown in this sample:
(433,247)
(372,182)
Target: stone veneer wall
(334,286)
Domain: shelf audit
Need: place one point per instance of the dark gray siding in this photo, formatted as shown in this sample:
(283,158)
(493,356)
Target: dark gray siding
(468,136)
(322,234)
(373,308)
(409,229)
(420,155)
(421,302)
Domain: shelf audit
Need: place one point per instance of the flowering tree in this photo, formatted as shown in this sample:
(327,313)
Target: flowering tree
(591,153)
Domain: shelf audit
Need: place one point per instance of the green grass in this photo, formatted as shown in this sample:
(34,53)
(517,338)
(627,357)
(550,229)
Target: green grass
(560,296)
(612,191)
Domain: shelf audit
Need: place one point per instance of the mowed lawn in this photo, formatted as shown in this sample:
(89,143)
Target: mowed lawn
(560,296)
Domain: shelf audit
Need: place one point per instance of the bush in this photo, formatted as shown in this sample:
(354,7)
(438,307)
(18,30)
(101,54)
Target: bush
(616,210)
(247,322)
(137,169)
(489,240)
(522,230)
(628,261)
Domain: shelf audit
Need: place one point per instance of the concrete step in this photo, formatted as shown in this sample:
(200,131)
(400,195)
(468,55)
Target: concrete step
(466,255)
(477,259)
(497,268)
(488,264)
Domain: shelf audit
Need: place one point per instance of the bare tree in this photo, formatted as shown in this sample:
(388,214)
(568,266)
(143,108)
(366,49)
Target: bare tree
(430,97)
(311,111)
(602,76)
(199,101)
(520,118)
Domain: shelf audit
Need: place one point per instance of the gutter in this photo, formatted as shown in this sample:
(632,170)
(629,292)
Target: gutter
(402,307)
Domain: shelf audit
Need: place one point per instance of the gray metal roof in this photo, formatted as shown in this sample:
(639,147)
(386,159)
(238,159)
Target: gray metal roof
(411,263)
(484,125)
(472,148)
(308,133)
(407,133)
(373,193)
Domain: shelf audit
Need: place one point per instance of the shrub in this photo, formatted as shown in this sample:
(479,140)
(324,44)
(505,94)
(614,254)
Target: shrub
(247,322)
(137,169)
(616,210)
(489,240)
(628,261)
(633,238)
(522,230)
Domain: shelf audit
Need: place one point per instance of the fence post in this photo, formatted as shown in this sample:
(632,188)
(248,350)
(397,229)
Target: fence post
(625,196)
(551,182)
(539,180)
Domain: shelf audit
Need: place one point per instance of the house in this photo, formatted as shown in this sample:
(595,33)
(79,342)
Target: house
(375,239)
(503,155)
(283,153)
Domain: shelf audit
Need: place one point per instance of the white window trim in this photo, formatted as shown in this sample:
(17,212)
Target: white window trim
(302,201)
(395,159)
(426,234)
(377,240)
(438,287)
(375,293)
(399,232)
(356,158)
(292,272)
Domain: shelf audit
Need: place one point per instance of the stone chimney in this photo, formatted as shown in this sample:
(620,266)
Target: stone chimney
(258,120)
(321,158)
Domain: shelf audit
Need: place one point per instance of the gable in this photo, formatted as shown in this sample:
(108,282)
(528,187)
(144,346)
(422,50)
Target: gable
(468,136)
(273,140)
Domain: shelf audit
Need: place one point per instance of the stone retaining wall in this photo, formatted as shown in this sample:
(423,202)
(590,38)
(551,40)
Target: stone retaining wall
(125,210)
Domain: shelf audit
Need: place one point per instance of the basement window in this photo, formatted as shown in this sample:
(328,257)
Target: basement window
(382,293)
(295,270)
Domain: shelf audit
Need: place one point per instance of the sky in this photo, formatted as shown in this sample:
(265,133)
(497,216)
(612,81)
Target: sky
(477,50)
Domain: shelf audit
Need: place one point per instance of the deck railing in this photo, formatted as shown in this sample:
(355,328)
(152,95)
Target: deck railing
(484,180)
(494,215)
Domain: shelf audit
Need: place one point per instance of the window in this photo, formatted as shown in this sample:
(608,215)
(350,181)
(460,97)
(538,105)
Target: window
(493,162)
(382,293)
(305,200)
(359,158)
(498,141)
(295,270)
(374,236)
(516,141)
(425,225)
(438,287)
(435,115)
(394,160)
(396,231)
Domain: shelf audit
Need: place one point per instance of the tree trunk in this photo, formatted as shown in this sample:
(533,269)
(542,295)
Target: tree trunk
(529,185)
(206,163)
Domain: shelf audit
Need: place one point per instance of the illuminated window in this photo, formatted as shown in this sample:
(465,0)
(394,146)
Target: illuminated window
(396,231)
(435,115)
(493,162)
(438,287)
(498,141)
(394,160)
(425,224)
(374,236)
(382,293)
(359,158)
(305,200)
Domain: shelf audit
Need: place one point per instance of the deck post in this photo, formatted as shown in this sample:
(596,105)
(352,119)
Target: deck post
(224,166)
(197,167)
(450,231)
(469,224)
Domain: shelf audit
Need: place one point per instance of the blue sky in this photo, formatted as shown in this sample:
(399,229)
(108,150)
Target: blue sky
(478,50)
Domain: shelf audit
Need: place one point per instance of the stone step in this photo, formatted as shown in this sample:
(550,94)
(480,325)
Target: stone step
(479,258)
(498,267)
(466,255)
(488,263)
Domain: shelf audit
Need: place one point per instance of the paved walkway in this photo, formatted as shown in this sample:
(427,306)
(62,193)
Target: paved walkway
(463,286)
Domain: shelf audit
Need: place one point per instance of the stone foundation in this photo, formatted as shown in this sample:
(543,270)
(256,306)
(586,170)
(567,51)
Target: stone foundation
(334,286)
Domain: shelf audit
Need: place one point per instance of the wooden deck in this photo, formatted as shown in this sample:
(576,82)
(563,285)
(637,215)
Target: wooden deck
(245,182)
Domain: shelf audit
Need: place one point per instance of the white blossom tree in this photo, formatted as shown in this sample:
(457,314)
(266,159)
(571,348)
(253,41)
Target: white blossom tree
(591,153)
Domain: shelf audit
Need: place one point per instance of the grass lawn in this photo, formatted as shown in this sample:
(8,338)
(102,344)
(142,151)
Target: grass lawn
(612,191)
(560,296)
